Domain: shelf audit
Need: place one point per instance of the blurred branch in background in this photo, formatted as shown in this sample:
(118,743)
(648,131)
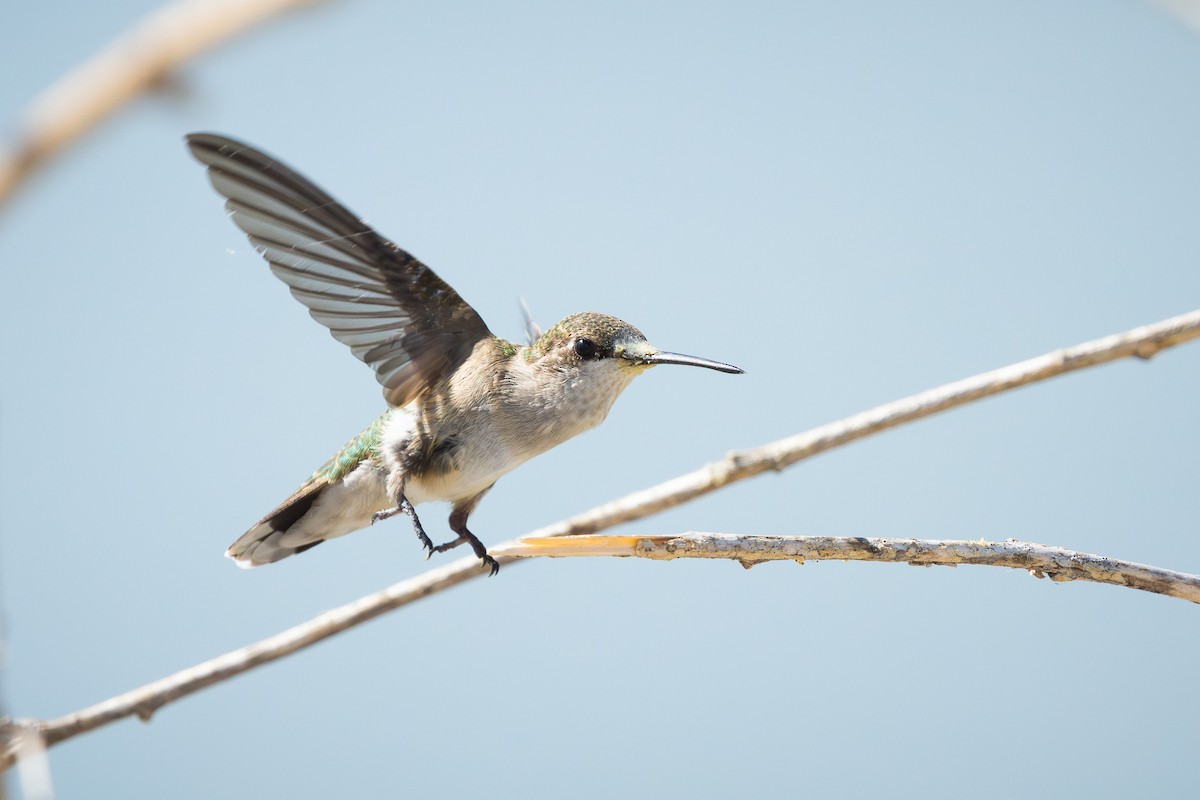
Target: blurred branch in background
(1186,11)
(1141,342)
(135,62)
(33,763)
(1039,560)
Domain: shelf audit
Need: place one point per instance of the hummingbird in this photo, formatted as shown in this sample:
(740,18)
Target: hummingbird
(464,405)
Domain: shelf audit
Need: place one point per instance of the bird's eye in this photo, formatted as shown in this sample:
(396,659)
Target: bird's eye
(585,348)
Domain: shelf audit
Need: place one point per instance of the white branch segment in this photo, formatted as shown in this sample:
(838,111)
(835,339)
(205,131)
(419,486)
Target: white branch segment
(133,63)
(1141,342)
(1039,560)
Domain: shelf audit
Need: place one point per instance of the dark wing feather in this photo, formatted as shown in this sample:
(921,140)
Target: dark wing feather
(393,312)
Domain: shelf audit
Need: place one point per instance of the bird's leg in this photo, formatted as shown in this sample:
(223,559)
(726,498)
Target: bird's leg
(426,542)
(404,507)
(458,524)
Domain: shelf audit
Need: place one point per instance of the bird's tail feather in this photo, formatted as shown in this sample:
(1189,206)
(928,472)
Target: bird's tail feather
(263,543)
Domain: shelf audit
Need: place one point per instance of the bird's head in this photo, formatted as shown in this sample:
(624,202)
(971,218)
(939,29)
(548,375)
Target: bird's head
(575,371)
(597,343)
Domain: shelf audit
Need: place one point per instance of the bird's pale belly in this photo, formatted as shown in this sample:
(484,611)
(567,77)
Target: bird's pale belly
(466,463)
(474,470)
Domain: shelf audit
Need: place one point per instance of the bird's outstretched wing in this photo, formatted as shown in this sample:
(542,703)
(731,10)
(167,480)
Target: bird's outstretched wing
(393,312)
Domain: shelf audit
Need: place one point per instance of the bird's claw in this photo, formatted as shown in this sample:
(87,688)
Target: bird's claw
(405,507)
(386,513)
(486,561)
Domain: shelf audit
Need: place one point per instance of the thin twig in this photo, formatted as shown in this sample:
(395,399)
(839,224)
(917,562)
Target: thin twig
(1142,342)
(134,62)
(1040,560)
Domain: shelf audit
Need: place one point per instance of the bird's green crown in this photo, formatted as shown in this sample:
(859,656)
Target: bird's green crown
(588,335)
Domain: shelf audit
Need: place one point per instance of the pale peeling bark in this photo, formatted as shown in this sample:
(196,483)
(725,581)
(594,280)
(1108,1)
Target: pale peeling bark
(1140,342)
(1041,561)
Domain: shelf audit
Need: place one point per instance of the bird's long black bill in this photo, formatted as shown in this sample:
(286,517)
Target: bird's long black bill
(690,361)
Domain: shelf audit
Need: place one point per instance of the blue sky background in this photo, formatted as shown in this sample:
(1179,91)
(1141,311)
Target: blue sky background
(852,201)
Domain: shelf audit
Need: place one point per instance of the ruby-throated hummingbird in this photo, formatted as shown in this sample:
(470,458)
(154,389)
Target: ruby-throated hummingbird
(465,406)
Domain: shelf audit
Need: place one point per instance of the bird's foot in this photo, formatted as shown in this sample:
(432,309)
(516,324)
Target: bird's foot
(405,507)
(441,548)
(476,545)
(418,529)
(386,513)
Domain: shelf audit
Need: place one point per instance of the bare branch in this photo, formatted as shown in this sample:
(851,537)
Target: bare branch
(1142,342)
(1040,560)
(131,64)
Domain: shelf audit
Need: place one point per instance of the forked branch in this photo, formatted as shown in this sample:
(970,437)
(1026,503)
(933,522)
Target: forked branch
(1141,342)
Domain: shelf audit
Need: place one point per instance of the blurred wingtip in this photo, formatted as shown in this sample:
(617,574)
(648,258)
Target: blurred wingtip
(533,331)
